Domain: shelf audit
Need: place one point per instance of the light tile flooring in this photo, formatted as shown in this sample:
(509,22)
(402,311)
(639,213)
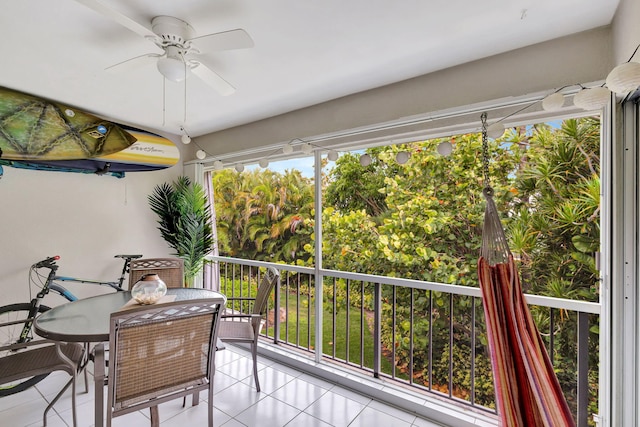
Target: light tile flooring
(288,398)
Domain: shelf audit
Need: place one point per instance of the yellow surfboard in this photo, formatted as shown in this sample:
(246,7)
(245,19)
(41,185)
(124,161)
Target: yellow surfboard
(149,153)
(36,129)
(149,150)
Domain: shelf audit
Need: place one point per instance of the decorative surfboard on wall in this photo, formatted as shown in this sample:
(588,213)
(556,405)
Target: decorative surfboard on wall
(37,129)
(150,152)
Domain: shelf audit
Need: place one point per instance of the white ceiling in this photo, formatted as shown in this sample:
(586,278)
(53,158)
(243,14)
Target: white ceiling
(305,52)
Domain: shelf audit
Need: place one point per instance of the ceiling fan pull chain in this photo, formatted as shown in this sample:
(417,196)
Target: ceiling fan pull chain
(164,100)
(184,63)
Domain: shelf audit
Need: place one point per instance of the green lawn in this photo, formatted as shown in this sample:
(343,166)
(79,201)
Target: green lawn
(296,332)
(300,330)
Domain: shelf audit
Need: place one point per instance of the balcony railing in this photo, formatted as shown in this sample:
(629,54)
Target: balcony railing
(424,335)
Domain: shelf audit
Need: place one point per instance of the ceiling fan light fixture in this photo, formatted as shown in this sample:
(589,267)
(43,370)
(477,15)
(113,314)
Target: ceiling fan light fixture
(172,68)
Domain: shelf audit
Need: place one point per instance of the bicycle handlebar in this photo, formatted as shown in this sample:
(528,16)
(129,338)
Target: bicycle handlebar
(128,256)
(48,262)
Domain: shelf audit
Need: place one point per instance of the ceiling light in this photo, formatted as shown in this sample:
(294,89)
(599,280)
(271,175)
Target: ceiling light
(402,157)
(307,148)
(172,66)
(592,99)
(201,154)
(445,148)
(287,149)
(217,165)
(624,78)
(332,155)
(239,167)
(263,163)
(553,102)
(495,131)
(365,160)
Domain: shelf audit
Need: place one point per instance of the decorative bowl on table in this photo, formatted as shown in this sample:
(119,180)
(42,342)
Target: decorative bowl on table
(149,289)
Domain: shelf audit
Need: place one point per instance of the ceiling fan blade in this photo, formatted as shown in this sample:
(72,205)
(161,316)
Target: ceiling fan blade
(121,19)
(211,78)
(226,40)
(136,62)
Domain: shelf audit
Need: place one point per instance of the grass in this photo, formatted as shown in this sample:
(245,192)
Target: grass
(300,331)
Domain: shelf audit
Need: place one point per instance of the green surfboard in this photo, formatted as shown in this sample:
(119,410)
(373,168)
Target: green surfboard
(33,128)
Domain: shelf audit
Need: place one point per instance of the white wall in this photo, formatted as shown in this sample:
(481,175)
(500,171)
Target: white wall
(86,219)
(626,31)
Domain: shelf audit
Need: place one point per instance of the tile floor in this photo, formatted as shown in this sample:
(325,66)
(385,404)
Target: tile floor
(288,398)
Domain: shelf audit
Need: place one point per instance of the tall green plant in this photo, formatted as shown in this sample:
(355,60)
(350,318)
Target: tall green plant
(184,222)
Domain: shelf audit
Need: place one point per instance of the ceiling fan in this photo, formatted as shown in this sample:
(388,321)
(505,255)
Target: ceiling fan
(181,48)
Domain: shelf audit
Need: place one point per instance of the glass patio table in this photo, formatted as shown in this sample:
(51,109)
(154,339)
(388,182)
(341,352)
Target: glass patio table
(87,321)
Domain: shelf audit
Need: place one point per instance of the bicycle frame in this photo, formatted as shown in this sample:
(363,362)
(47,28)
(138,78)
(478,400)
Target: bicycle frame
(68,295)
(117,285)
(49,263)
(51,285)
(22,333)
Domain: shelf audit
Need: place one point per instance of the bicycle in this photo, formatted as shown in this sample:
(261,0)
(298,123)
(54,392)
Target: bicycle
(17,319)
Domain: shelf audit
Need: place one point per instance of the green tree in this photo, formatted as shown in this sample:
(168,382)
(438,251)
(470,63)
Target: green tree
(354,187)
(547,190)
(555,229)
(264,215)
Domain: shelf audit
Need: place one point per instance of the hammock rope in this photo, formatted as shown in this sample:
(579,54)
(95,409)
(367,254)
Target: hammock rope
(528,393)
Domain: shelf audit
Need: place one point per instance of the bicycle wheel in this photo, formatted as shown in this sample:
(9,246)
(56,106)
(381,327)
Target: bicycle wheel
(10,335)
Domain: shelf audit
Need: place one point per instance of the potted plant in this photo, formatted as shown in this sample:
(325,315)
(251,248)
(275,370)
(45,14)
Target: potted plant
(184,222)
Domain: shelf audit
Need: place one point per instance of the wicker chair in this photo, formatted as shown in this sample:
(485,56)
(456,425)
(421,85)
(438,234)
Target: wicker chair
(245,328)
(160,353)
(170,270)
(43,357)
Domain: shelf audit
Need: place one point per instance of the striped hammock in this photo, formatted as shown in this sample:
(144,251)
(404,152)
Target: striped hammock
(527,390)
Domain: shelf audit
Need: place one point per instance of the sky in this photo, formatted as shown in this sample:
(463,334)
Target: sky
(303,164)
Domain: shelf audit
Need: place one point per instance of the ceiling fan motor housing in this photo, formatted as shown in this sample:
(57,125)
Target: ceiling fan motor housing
(172,31)
(174,36)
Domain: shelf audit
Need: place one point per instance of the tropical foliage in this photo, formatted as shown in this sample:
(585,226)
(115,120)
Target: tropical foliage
(184,222)
(264,215)
(423,220)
